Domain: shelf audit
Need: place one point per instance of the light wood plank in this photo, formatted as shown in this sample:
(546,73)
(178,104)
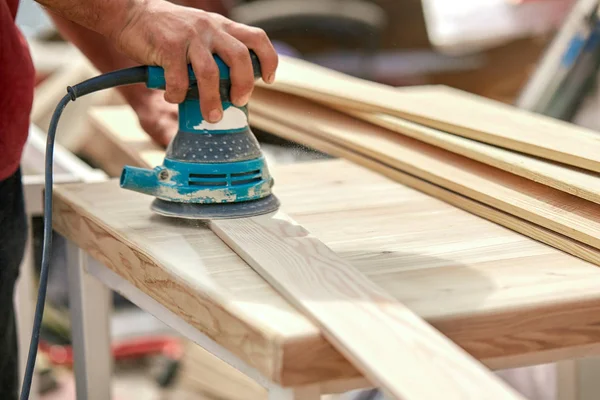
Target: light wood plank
(202,372)
(132,145)
(447,109)
(558,211)
(401,354)
(575,181)
(509,221)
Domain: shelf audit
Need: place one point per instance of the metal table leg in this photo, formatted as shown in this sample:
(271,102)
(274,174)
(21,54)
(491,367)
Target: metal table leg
(25,307)
(90,306)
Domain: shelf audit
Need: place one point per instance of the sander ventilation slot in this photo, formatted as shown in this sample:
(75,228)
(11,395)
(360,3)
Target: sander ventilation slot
(234,179)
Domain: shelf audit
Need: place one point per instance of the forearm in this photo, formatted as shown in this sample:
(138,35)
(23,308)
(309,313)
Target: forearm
(101,53)
(101,16)
(105,57)
(156,32)
(107,16)
(99,49)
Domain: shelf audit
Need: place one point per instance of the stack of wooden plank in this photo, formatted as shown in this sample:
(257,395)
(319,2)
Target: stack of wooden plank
(530,173)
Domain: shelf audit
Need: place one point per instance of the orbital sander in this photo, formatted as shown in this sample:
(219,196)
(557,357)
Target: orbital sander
(210,171)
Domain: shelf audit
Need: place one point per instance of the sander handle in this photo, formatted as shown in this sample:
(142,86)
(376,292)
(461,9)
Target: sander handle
(156,75)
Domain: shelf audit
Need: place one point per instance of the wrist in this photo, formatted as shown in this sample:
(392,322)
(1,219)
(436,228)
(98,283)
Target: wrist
(101,16)
(127,14)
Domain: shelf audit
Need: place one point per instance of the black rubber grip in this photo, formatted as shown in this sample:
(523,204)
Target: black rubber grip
(255,65)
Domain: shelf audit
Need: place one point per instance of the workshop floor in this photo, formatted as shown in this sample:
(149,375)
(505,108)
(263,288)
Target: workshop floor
(137,383)
(131,385)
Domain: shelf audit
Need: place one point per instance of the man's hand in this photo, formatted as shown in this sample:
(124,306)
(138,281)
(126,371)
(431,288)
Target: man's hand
(164,34)
(156,32)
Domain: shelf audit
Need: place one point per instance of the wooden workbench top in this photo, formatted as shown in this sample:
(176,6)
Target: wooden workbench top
(505,298)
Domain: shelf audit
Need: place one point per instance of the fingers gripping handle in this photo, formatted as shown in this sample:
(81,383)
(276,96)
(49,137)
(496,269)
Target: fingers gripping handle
(156,75)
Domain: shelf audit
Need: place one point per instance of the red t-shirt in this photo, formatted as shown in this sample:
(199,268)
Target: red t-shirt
(17,82)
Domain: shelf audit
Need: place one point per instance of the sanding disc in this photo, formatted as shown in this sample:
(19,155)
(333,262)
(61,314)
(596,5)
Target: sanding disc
(246,209)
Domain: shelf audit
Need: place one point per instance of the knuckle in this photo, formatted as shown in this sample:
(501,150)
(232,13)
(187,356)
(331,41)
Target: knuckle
(176,81)
(240,56)
(189,30)
(169,42)
(170,54)
(236,52)
(201,22)
(260,34)
(230,26)
(245,86)
(209,71)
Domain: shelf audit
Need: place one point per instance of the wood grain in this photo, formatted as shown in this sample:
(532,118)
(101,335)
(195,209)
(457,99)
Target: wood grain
(203,373)
(386,341)
(506,299)
(561,212)
(575,181)
(445,109)
(182,287)
(546,236)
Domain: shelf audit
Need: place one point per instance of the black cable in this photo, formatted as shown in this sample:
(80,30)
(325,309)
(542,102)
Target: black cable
(121,77)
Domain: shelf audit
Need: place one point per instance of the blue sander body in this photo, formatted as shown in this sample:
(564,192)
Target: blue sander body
(210,171)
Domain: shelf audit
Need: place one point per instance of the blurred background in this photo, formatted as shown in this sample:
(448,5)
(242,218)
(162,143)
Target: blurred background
(539,55)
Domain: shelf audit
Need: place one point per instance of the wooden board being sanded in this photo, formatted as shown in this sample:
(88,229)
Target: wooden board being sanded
(448,110)
(401,354)
(553,209)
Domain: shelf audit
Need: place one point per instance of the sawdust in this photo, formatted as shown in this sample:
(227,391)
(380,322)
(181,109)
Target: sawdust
(220,196)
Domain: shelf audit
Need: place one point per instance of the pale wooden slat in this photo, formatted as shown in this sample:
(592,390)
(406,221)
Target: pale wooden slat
(544,235)
(559,211)
(391,345)
(447,109)
(575,181)
(131,144)
(202,372)
(509,221)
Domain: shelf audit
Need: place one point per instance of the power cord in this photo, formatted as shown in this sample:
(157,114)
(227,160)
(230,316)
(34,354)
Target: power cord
(109,80)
